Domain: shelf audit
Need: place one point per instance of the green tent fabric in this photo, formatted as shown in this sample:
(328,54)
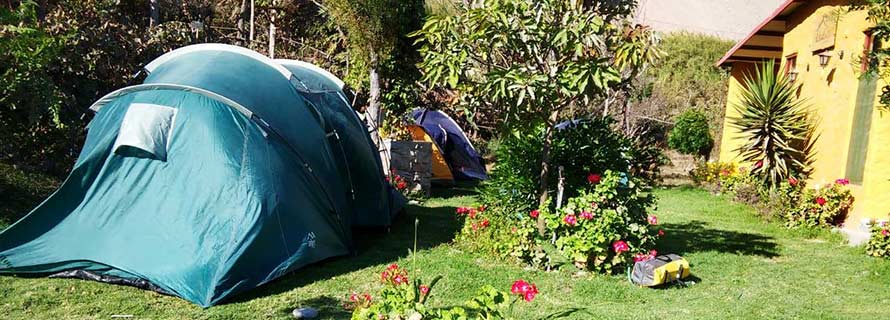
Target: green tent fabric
(363,165)
(212,177)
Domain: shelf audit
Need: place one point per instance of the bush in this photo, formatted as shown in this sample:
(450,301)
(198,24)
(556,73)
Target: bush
(602,229)
(691,134)
(879,243)
(589,146)
(707,173)
(827,206)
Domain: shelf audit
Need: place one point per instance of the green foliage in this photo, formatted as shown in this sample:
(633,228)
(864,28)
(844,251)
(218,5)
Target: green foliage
(610,208)
(879,58)
(684,78)
(775,126)
(400,297)
(879,243)
(691,134)
(826,206)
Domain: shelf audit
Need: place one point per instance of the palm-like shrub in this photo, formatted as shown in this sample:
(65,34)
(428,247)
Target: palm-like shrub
(775,125)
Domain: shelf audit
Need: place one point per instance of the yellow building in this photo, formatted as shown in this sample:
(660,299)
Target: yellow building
(820,44)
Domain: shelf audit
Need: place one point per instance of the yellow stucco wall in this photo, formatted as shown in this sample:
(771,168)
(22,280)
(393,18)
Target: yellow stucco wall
(831,92)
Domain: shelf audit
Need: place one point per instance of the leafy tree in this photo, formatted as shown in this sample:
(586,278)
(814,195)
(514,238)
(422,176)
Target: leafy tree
(879,58)
(373,29)
(775,125)
(531,60)
(691,134)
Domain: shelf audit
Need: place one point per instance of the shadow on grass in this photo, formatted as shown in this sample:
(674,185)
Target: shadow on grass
(697,236)
(374,247)
(21,191)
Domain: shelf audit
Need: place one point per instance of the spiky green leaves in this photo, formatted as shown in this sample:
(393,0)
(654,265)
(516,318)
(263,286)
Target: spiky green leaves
(775,125)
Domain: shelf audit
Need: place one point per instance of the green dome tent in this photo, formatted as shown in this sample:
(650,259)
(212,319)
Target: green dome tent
(214,176)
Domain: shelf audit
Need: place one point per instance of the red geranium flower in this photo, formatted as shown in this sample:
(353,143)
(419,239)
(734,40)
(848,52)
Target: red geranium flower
(758,164)
(620,246)
(485,223)
(393,267)
(792,181)
(524,289)
(534,213)
(424,290)
(570,219)
(482,208)
(473,213)
(586,215)
(660,233)
(842,182)
(885,232)
(820,201)
(652,219)
(594,178)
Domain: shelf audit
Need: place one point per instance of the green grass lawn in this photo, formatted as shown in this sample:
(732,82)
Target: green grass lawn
(745,268)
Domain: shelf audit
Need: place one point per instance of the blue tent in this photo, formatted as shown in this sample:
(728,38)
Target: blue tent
(464,160)
(216,175)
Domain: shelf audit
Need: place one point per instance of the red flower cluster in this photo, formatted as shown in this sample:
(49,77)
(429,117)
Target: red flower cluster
(842,182)
(660,233)
(586,215)
(645,256)
(570,219)
(793,181)
(534,213)
(620,246)
(358,301)
(652,220)
(424,290)
(821,201)
(470,212)
(594,178)
(524,290)
(758,164)
(394,275)
(885,232)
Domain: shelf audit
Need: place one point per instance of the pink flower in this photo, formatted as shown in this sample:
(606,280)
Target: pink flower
(570,219)
(530,294)
(475,227)
(793,181)
(424,290)
(519,286)
(462,210)
(400,279)
(652,219)
(473,213)
(524,289)
(653,253)
(586,215)
(758,164)
(384,276)
(640,257)
(885,232)
(620,246)
(534,213)
(353,297)
(594,178)
(660,233)
(820,201)
(393,267)
(842,182)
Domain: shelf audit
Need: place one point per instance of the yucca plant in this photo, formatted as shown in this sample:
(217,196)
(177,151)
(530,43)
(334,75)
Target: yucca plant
(776,126)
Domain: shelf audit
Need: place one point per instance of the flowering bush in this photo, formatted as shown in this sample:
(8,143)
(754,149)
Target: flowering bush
(713,173)
(403,185)
(600,230)
(879,244)
(401,299)
(826,206)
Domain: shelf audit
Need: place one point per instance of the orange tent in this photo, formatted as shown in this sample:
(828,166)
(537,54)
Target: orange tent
(441,170)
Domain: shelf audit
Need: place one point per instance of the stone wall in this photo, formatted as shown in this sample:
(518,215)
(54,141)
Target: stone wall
(412,160)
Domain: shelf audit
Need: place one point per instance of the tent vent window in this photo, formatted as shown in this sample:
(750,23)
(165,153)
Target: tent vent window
(145,131)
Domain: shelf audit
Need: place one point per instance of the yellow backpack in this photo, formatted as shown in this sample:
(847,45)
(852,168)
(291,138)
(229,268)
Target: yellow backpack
(660,270)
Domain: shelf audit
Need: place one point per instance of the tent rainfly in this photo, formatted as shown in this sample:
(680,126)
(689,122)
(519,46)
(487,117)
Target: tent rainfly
(457,150)
(221,172)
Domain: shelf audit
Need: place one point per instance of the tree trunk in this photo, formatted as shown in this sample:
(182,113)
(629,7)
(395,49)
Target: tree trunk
(154,17)
(545,167)
(243,15)
(375,113)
